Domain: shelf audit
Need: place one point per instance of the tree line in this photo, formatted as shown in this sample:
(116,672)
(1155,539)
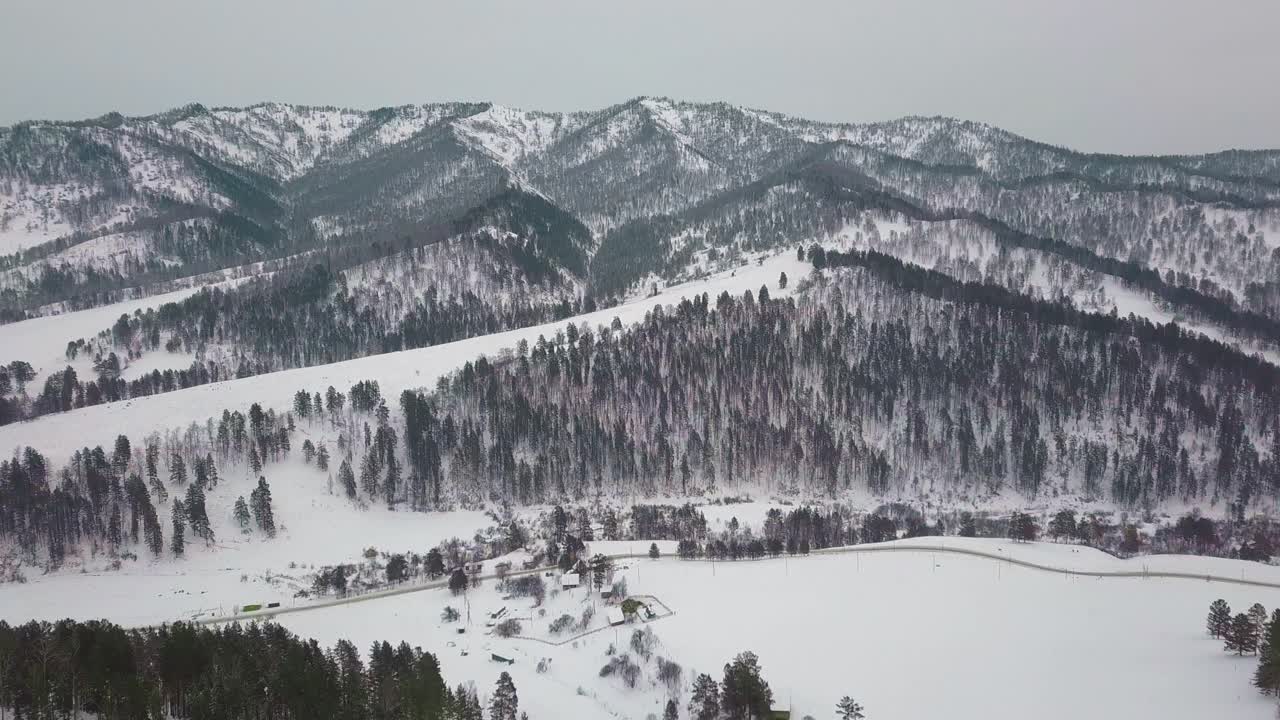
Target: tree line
(253,672)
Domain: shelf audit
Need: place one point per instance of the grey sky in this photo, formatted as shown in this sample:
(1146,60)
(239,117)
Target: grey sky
(1133,76)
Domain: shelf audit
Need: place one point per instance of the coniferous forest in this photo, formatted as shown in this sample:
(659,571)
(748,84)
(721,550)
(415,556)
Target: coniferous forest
(860,385)
(251,672)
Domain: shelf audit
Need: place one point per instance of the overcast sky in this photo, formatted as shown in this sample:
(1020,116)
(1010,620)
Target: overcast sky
(1132,76)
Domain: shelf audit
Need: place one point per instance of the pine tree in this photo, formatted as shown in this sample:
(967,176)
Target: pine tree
(1240,635)
(260,501)
(177,470)
(653,551)
(151,530)
(153,474)
(178,541)
(599,566)
(322,457)
(457,581)
(1258,616)
(1267,676)
(347,479)
(704,704)
(849,709)
(197,514)
(114,530)
(435,563)
(672,711)
(211,470)
(505,704)
(120,458)
(1219,618)
(391,485)
(242,514)
(743,692)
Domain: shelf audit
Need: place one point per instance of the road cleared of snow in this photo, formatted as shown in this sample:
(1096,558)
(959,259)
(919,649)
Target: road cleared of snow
(1024,555)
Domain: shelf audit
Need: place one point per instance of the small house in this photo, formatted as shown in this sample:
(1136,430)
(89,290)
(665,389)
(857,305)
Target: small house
(569,581)
(495,657)
(616,616)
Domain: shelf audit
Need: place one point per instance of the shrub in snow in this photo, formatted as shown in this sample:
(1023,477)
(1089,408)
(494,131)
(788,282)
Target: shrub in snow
(624,667)
(561,624)
(507,628)
(528,586)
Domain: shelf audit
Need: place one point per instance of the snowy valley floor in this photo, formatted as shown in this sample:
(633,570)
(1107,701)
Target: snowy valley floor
(912,635)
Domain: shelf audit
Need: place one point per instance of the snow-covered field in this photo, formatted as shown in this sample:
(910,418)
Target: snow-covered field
(910,635)
(43,341)
(315,528)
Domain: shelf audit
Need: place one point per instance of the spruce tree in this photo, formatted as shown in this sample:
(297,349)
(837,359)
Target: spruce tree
(1267,676)
(178,541)
(242,514)
(197,514)
(1219,618)
(653,551)
(114,530)
(672,711)
(177,470)
(260,501)
(151,530)
(322,457)
(347,479)
(211,470)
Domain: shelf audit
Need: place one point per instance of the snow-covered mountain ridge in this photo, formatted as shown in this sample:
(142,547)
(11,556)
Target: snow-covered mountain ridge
(93,207)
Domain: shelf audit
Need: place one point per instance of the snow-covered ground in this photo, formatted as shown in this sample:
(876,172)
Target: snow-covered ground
(910,635)
(60,434)
(316,528)
(43,341)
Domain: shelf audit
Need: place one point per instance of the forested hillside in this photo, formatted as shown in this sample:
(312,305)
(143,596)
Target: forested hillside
(880,380)
(94,209)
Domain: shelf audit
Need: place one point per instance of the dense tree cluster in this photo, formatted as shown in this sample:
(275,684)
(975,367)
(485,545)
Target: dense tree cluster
(862,384)
(743,694)
(259,671)
(109,500)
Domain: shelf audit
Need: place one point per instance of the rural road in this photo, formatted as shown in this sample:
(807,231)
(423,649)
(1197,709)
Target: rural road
(940,548)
